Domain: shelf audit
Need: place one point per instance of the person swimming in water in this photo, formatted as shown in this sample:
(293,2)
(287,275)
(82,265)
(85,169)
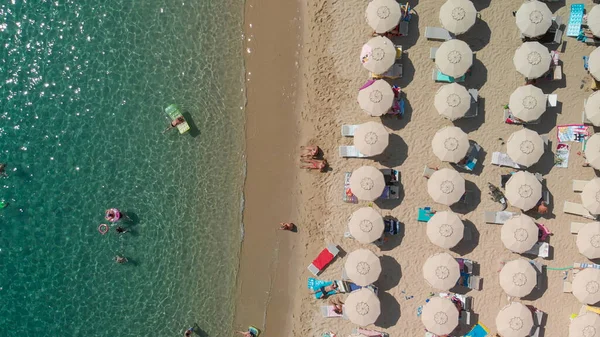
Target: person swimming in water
(113,215)
(121,230)
(188,332)
(120,259)
(3,170)
(174,123)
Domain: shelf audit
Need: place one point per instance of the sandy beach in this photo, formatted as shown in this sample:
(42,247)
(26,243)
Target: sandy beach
(333,33)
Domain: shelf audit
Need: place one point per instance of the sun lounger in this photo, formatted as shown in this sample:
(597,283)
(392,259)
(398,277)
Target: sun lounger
(391,192)
(348,130)
(576,226)
(541,249)
(471,157)
(432,52)
(350,151)
(578,185)
(438,76)
(438,34)
(577,209)
(535,331)
(575,19)
(393,73)
(425,214)
(347,287)
(474,108)
(369,333)
(327,311)
(498,218)
(323,259)
(552,100)
(502,159)
(428,171)
(348,196)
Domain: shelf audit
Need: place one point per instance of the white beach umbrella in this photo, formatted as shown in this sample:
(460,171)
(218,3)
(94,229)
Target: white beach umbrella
(441,271)
(454,58)
(519,233)
(533,18)
(518,278)
(588,240)
(362,307)
(586,286)
(590,196)
(523,190)
(440,316)
(367,183)
(593,20)
(363,267)
(452,101)
(592,151)
(525,147)
(371,138)
(377,98)
(450,144)
(378,55)
(585,325)
(366,225)
(457,16)
(532,59)
(446,186)
(383,15)
(592,108)
(594,61)
(445,229)
(527,103)
(514,320)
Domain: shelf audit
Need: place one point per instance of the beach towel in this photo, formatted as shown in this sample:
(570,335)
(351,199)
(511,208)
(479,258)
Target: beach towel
(323,259)
(572,133)
(315,284)
(561,157)
(479,330)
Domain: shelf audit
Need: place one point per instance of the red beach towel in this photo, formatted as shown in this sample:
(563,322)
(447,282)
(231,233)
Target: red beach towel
(323,259)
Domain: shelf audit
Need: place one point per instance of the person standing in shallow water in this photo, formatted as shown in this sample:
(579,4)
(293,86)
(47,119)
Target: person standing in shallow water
(120,259)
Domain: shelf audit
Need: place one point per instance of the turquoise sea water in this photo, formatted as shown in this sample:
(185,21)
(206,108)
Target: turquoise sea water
(83,87)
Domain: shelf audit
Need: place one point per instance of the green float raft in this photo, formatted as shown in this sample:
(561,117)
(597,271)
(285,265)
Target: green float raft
(174,113)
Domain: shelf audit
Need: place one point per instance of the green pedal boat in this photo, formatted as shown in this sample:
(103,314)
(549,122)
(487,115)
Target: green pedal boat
(174,113)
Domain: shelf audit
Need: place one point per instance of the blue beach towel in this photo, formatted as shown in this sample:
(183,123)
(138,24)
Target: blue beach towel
(315,284)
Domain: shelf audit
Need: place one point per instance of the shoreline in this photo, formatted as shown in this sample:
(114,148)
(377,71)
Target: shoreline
(272,35)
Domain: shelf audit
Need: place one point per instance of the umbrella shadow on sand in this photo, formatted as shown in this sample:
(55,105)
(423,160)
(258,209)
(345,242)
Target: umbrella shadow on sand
(395,123)
(470,200)
(540,288)
(391,273)
(390,313)
(395,154)
(477,36)
(470,239)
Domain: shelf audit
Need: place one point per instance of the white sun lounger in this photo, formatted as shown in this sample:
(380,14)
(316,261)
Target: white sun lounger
(350,152)
(437,34)
(577,209)
(552,100)
(428,171)
(541,249)
(576,226)
(498,218)
(348,130)
(474,108)
(578,185)
(502,159)
(432,52)
(327,311)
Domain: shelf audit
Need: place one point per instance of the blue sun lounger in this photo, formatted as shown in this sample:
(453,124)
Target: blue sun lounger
(575,19)
(438,76)
(425,214)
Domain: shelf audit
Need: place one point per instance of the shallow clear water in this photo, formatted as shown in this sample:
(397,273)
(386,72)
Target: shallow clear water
(83,87)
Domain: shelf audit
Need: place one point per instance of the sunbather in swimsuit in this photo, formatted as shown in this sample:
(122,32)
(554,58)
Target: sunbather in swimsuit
(325,290)
(314,164)
(310,151)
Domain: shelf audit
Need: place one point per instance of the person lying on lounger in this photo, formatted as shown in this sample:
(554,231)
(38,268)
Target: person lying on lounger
(311,151)
(337,305)
(325,290)
(314,164)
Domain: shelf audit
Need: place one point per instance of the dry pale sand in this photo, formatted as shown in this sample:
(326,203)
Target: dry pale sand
(334,32)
